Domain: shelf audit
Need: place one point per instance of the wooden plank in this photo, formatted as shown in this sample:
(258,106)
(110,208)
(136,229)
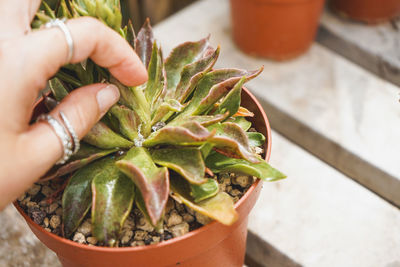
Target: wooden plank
(323,102)
(374,47)
(319,217)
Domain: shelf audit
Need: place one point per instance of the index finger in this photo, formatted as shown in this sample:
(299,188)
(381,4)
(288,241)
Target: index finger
(48,50)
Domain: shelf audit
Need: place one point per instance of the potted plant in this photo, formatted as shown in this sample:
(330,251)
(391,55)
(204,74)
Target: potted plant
(169,157)
(275,29)
(369,11)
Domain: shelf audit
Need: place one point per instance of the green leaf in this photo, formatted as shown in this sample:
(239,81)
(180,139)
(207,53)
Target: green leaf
(231,102)
(220,207)
(103,137)
(139,201)
(166,107)
(188,162)
(58,89)
(205,120)
(191,75)
(256,139)
(155,80)
(205,190)
(77,197)
(232,141)
(242,122)
(113,195)
(128,120)
(181,56)
(153,182)
(144,43)
(220,163)
(211,88)
(189,133)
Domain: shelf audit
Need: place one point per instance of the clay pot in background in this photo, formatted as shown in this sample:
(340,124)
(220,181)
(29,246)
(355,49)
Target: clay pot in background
(209,246)
(370,11)
(275,29)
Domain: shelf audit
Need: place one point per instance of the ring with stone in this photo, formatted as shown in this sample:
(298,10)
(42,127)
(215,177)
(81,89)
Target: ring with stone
(60,23)
(61,133)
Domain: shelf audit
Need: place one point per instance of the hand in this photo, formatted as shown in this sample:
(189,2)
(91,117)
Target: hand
(27,60)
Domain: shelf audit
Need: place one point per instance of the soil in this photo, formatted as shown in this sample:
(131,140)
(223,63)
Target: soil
(42,202)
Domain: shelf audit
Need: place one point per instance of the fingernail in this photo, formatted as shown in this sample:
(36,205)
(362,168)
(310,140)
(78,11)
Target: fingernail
(107,97)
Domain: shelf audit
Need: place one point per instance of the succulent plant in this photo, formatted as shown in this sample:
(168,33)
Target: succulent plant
(161,138)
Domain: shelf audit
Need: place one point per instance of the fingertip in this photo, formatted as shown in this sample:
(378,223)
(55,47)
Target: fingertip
(131,73)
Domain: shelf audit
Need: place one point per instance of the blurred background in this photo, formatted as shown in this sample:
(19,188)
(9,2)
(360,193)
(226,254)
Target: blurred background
(331,89)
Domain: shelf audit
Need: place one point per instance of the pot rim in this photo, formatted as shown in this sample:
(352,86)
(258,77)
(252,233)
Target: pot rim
(172,240)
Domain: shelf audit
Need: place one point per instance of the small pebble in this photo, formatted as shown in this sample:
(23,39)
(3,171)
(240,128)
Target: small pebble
(140,235)
(32,204)
(55,221)
(47,229)
(37,215)
(235,192)
(258,150)
(25,201)
(156,240)
(144,225)
(180,229)
(92,240)
(46,222)
(180,208)
(47,191)
(129,223)
(52,208)
(85,228)
(126,236)
(137,243)
(35,188)
(79,237)
(188,218)
(228,189)
(243,180)
(202,219)
(174,219)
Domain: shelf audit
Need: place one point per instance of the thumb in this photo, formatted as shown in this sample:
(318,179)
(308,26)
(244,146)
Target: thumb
(83,108)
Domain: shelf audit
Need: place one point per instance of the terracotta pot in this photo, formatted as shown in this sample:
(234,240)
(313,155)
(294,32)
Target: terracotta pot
(370,11)
(211,245)
(275,29)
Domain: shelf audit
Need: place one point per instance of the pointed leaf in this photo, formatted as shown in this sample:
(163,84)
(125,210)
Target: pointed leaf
(231,102)
(188,162)
(220,163)
(190,133)
(243,112)
(205,190)
(232,141)
(75,165)
(219,207)
(155,73)
(211,88)
(191,75)
(113,195)
(181,56)
(206,120)
(153,182)
(103,137)
(128,120)
(144,43)
(77,196)
(130,34)
(58,89)
(139,201)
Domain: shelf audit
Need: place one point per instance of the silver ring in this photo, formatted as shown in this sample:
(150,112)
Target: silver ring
(72,132)
(62,134)
(60,23)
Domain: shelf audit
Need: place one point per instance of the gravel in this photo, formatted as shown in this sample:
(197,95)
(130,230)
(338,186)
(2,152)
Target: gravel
(42,202)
